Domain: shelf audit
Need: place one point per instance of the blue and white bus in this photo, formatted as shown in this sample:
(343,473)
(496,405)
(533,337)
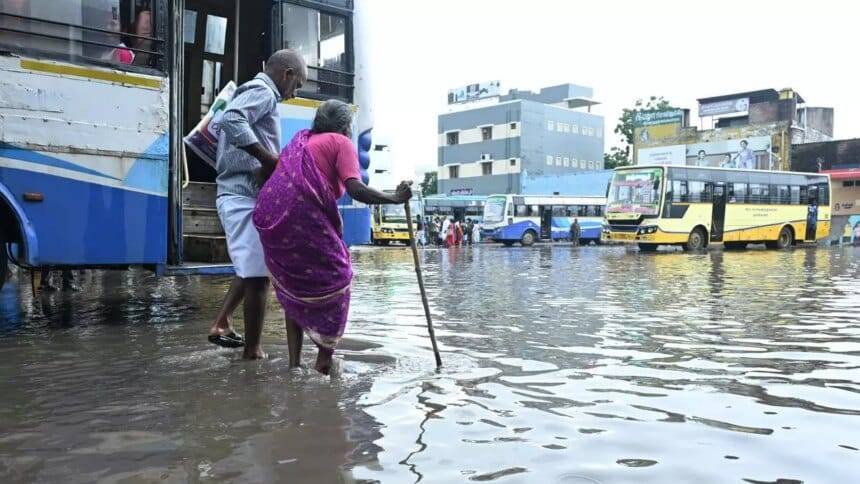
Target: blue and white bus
(529,218)
(97,95)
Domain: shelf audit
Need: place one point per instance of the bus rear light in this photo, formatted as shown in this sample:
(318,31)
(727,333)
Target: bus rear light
(33,197)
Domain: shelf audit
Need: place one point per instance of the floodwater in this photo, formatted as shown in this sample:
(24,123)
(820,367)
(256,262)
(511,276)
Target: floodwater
(596,364)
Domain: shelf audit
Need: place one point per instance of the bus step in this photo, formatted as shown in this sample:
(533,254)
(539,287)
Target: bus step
(199,195)
(205,248)
(203,221)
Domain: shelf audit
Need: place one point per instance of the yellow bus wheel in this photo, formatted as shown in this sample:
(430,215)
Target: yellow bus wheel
(698,240)
(784,241)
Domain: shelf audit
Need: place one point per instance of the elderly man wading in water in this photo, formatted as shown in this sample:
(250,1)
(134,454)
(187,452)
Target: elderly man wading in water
(247,154)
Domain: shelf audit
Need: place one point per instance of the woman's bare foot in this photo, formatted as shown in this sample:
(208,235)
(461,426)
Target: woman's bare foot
(323,364)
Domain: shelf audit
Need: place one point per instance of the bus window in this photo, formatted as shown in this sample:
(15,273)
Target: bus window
(697,191)
(780,194)
(559,211)
(795,195)
(119,33)
(521,211)
(759,193)
(679,191)
(738,193)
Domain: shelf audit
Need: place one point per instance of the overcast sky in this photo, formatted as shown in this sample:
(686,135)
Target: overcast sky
(682,50)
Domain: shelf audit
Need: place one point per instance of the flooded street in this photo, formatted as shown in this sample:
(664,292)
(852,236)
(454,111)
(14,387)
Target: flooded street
(560,365)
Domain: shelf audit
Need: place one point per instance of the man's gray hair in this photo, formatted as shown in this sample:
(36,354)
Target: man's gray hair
(285,59)
(332,116)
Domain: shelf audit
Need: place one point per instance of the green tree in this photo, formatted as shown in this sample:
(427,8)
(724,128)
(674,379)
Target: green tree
(429,185)
(620,155)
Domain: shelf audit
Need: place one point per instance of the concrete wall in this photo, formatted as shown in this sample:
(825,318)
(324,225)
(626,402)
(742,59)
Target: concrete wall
(566,138)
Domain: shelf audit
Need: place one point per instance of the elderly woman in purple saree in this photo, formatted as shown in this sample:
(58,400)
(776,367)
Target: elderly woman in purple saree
(302,232)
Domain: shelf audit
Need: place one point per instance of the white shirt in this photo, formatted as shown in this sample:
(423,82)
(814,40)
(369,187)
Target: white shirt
(445,224)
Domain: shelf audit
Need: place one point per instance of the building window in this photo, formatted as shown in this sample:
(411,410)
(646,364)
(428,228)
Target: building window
(598,165)
(590,131)
(487,168)
(590,165)
(557,161)
(582,164)
(549,160)
(453,138)
(559,127)
(599,133)
(848,183)
(550,126)
(573,162)
(574,128)
(513,162)
(566,161)
(513,125)
(453,172)
(487,133)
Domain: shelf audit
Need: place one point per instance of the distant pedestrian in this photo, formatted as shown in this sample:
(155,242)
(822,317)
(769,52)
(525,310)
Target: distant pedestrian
(443,235)
(458,233)
(450,237)
(419,226)
(476,233)
(575,232)
(470,224)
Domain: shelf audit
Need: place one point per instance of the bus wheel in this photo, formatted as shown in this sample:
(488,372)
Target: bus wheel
(735,245)
(648,247)
(528,238)
(698,240)
(785,240)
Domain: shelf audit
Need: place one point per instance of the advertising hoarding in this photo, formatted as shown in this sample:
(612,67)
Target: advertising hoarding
(662,155)
(473,92)
(738,105)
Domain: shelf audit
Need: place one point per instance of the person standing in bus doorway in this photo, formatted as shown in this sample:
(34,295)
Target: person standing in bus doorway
(247,154)
(575,232)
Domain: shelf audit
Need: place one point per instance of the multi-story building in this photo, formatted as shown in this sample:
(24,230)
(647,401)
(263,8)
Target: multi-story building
(753,129)
(489,145)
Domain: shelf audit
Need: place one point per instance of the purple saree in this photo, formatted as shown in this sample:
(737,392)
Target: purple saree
(302,236)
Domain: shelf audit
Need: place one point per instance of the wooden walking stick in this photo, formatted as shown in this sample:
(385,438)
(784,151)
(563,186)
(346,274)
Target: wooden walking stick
(421,284)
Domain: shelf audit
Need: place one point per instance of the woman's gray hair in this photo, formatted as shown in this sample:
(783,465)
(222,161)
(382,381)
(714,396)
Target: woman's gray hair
(332,116)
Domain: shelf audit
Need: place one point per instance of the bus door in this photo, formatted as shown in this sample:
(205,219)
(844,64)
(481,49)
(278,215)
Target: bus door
(209,32)
(718,212)
(812,213)
(546,221)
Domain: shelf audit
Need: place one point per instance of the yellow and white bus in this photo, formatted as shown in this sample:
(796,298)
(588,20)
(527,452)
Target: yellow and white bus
(693,207)
(388,222)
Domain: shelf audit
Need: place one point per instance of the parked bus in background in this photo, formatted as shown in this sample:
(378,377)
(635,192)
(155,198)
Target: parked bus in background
(528,218)
(97,95)
(693,207)
(388,222)
(458,207)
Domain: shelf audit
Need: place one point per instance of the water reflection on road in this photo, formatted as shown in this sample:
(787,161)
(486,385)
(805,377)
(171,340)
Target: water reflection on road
(561,365)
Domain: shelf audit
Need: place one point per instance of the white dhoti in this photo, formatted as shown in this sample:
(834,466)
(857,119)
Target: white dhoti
(243,241)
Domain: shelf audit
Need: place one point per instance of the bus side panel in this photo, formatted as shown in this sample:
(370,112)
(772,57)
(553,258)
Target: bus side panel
(93,142)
